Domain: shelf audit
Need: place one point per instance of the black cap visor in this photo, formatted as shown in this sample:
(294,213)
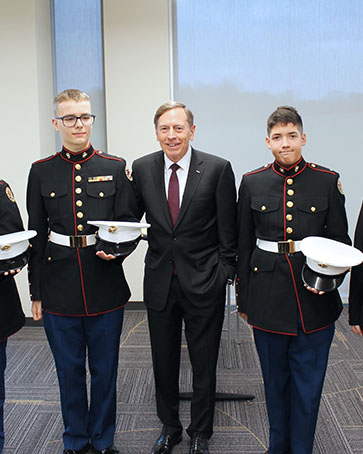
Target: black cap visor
(116,249)
(321,282)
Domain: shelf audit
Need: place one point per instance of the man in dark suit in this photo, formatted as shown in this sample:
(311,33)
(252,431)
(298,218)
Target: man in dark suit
(189,198)
(279,205)
(356,283)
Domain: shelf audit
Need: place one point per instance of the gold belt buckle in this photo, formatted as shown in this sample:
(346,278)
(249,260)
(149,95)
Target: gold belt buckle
(78,241)
(286,247)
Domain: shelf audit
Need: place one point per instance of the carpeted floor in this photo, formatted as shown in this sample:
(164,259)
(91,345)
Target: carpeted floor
(33,423)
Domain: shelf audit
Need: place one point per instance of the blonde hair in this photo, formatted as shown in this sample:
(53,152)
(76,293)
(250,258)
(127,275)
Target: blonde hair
(70,94)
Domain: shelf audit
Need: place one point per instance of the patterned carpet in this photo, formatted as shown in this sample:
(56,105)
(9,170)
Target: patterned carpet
(33,423)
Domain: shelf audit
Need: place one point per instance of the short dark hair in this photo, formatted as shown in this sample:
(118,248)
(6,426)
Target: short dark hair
(284,115)
(169,105)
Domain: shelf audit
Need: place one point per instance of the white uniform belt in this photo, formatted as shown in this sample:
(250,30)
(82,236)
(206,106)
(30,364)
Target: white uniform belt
(72,240)
(279,247)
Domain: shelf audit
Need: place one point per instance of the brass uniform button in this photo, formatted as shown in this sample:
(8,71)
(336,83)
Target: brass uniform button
(52,194)
(290,204)
(263,208)
(290,192)
(78,178)
(289,181)
(313,209)
(79,203)
(78,191)
(49,259)
(289,230)
(289,217)
(80,215)
(255,268)
(78,166)
(80,227)
(68,155)
(101,194)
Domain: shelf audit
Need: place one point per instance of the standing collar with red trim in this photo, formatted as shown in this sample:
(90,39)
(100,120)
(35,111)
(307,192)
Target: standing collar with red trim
(284,171)
(79,156)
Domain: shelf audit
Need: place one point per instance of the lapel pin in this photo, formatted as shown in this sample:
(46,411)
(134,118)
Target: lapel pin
(198,171)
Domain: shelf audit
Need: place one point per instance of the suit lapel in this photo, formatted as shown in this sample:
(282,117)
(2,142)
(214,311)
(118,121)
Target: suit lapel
(195,173)
(159,181)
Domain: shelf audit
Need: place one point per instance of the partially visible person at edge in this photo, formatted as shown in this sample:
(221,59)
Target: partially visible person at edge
(356,283)
(189,198)
(80,294)
(11,314)
(279,205)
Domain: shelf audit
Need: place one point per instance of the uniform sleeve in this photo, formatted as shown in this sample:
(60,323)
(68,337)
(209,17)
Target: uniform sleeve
(38,220)
(336,226)
(125,208)
(9,212)
(226,208)
(356,279)
(246,244)
(137,192)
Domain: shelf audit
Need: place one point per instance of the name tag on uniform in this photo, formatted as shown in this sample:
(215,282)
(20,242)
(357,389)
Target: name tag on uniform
(100,178)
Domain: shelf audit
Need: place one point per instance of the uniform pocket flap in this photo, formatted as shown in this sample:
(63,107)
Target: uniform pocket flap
(313,204)
(262,260)
(101,189)
(54,191)
(265,204)
(54,252)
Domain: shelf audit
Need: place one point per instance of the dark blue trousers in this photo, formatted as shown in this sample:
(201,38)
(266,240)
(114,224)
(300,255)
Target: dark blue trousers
(293,369)
(71,339)
(2,391)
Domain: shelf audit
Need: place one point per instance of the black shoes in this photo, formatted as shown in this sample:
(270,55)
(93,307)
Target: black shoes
(77,451)
(165,443)
(109,450)
(199,445)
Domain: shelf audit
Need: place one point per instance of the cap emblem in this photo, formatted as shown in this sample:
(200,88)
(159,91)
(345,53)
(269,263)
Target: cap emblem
(112,229)
(5,247)
(322,265)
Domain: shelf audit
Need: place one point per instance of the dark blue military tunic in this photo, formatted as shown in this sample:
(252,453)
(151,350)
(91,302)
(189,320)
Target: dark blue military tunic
(64,192)
(278,204)
(11,315)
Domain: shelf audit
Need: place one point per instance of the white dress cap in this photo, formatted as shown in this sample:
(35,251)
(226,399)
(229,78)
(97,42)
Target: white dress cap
(14,244)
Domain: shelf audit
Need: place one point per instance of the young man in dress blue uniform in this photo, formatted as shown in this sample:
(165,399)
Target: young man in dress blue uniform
(11,315)
(80,294)
(279,205)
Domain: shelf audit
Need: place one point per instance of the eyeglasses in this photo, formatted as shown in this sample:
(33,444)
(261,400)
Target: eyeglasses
(69,121)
